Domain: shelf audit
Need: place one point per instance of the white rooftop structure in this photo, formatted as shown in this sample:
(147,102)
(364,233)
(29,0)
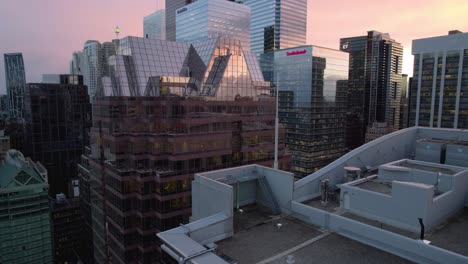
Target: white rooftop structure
(399,199)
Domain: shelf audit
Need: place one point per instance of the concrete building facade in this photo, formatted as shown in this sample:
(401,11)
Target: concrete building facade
(440,82)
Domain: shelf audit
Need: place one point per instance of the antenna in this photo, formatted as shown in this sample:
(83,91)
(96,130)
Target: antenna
(117,32)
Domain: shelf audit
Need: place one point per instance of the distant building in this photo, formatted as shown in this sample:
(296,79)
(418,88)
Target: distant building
(68,230)
(25,230)
(404,102)
(15,78)
(154,25)
(4,144)
(277,24)
(378,130)
(93,64)
(158,125)
(312,83)
(171,7)
(214,18)
(57,119)
(439,90)
(4,109)
(375,67)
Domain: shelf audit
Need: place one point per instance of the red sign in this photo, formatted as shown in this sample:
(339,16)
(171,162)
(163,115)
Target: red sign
(296,52)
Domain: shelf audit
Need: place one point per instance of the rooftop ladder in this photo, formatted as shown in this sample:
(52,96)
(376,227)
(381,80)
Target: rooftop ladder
(269,194)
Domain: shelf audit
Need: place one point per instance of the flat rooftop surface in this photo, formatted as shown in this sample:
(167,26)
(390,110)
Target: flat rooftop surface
(335,249)
(257,239)
(452,236)
(430,168)
(375,186)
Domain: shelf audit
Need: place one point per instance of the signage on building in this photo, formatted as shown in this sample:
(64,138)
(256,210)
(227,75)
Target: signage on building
(179,11)
(345,45)
(296,52)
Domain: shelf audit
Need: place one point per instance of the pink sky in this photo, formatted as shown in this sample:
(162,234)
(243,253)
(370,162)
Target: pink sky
(48,31)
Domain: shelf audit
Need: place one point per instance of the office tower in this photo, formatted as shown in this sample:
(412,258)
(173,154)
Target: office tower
(57,119)
(404,102)
(277,24)
(68,230)
(439,96)
(93,64)
(15,78)
(374,84)
(25,231)
(171,7)
(154,25)
(312,83)
(182,109)
(214,18)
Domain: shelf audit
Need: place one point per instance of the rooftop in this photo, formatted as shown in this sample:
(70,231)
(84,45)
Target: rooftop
(375,211)
(259,240)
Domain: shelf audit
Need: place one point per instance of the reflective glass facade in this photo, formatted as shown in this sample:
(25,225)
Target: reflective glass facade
(213,18)
(312,83)
(440,83)
(218,69)
(277,24)
(15,78)
(154,25)
(171,7)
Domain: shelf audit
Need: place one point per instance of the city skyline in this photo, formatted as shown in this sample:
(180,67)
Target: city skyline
(53,45)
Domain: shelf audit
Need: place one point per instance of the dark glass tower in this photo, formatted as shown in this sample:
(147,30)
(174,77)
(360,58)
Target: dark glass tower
(15,83)
(374,84)
(57,119)
(277,24)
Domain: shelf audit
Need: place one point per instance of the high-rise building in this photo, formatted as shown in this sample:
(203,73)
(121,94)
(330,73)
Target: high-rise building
(25,230)
(205,19)
(277,24)
(182,109)
(171,7)
(312,83)
(57,119)
(374,84)
(439,90)
(404,102)
(154,25)
(15,77)
(93,64)
(68,230)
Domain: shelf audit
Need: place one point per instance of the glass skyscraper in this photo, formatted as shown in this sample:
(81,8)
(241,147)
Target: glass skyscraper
(205,19)
(154,25)
(170,110)
(312,83)
(374,85)
(15,77)
(171,7)
(439,88)
(277,24)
